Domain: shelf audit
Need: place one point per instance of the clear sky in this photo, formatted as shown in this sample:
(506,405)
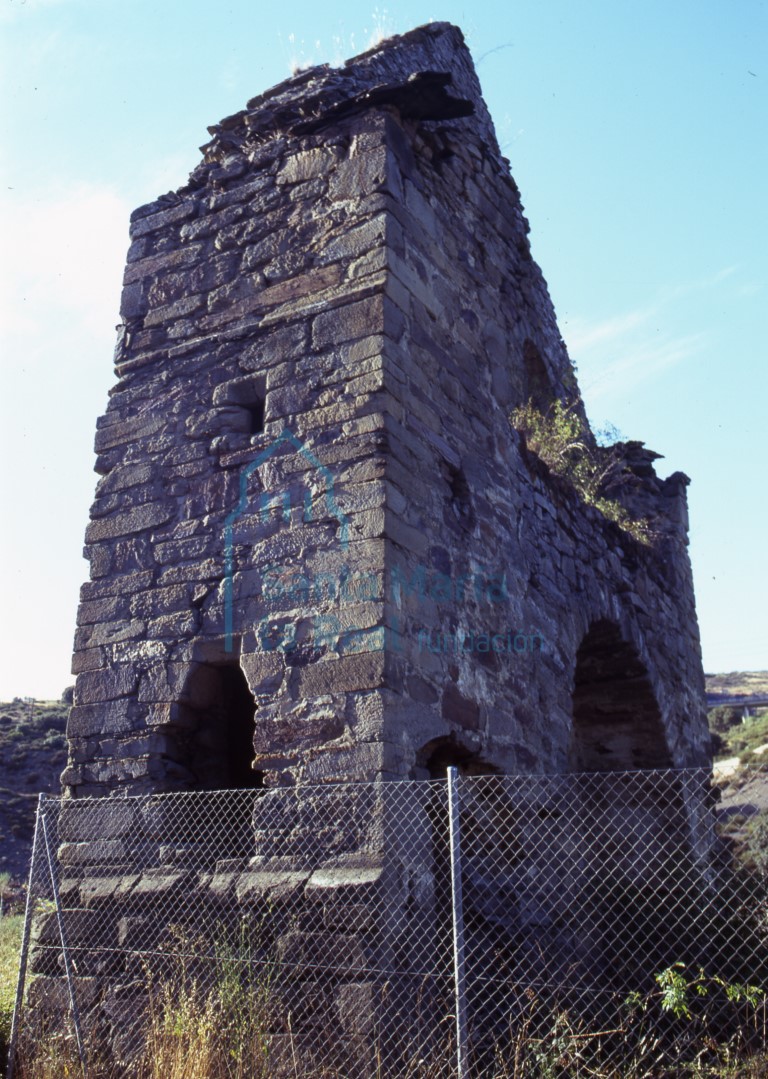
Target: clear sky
(637,133)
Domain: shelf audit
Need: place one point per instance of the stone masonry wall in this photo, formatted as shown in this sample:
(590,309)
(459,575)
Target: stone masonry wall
(324,333)
(319,551)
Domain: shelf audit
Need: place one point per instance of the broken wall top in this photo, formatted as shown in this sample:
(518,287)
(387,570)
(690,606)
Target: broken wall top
(426,74)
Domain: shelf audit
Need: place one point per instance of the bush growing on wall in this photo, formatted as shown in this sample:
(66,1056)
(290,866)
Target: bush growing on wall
(561,439)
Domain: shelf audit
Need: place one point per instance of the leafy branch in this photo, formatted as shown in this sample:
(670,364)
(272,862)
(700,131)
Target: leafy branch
(676,989)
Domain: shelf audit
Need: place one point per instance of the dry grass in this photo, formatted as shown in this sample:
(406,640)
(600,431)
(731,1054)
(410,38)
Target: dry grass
(240,1027)
(217,1035)
(193,1037)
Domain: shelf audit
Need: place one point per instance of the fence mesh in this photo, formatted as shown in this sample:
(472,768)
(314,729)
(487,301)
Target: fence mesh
(606,930)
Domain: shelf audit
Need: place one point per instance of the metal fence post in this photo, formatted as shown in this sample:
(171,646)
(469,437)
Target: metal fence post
(64,949)
(21,980)
(458,924)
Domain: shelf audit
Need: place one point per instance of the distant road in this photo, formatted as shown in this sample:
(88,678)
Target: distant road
(714,700)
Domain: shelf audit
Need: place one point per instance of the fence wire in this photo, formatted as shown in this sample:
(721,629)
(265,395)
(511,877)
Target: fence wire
(605,930)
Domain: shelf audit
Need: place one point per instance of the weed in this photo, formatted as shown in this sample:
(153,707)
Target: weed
(562,440)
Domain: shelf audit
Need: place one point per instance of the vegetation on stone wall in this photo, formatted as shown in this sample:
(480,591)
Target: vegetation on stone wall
(561,439)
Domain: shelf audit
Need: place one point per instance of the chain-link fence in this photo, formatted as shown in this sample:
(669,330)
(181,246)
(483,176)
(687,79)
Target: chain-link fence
(484,926)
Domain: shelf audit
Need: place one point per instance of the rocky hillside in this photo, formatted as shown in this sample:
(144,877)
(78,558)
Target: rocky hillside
(740,742)
(33,752)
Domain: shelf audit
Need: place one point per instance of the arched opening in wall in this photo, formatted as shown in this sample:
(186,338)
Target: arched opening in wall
(537,386)
(624,815)
(434,760)
(215,743)
(440,754)
(617,724)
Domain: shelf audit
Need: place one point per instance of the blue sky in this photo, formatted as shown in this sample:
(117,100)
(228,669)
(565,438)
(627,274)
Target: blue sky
(636,133)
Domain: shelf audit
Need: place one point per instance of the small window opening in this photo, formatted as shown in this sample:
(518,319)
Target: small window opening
(256,412)
(248,394)
(460,507)
(537,386)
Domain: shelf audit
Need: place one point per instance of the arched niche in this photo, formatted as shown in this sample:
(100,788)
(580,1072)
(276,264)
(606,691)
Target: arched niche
(617,723)
(537,385)
(217,712)
(479,809)
(437,756)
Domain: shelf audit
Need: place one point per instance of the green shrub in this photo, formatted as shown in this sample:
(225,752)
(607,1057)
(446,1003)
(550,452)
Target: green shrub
(562,440)
(723,718)
(754,852)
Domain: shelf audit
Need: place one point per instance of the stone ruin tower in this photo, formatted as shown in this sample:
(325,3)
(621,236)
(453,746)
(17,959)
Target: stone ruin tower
(319,550)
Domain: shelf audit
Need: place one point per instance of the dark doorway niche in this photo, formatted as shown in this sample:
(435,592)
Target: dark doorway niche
(537,386)
(617,724)
(435,759)
(441,754)
(256,414)
(459,508)
(215,744)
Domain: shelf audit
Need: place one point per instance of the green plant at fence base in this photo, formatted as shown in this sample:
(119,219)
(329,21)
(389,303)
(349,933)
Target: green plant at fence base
(715,1019)
(216,1011)
(677,987)
(561,439)
(685,1024)
(560,1049)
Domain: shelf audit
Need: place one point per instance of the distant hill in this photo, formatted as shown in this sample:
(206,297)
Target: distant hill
(33,753)
(737,684)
